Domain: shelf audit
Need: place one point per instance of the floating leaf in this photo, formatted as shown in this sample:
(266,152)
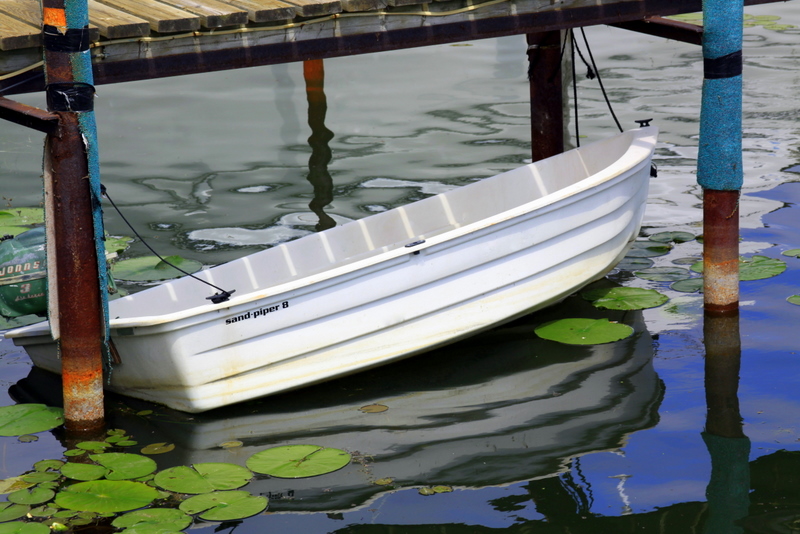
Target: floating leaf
(151,268)
(624,298)
(647,249)
(583,331)
(44,465)
(43,511)
(127,443)
(37,478)
(298,461)
(13,484)
(28,438)
(690,285)
(203,477)
(117,244)
(672,237)
(384,481)
(144,413)
(373,408)
(84,472)
(93,446)
(10,511)
(690,260)
(153,521)
(74,452)
(231,444)
(158,448)
(754,268)
(124,465)
(442,489)
(426,491)
(19,527)
(794,299)
(794,253)
(106,496)
(31,496)
(664,274)
(21,216)
(224,505)
(634,264)
(22,419)
(12,230)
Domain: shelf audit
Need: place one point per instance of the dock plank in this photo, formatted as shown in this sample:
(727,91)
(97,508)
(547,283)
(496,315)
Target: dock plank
(116,24)
(316,8)
(15,34)
(212,13)
(162,18)
(265,10)
(30,13)
(355,6)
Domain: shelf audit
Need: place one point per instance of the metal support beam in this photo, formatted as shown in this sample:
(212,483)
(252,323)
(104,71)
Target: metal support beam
(28,116)
(547,104)
(667,28)
(76,279)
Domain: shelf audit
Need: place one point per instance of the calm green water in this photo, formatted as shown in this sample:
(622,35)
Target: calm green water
(532,436)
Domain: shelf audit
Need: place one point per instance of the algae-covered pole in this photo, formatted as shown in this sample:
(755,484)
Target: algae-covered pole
(547,111)
(719,166)
(76,260)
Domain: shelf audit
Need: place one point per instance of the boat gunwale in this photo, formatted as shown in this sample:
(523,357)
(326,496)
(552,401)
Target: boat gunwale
(604,176)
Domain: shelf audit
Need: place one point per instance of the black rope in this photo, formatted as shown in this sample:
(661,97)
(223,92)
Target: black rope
(599,79)
(575,90)
(26,80)
(217,298)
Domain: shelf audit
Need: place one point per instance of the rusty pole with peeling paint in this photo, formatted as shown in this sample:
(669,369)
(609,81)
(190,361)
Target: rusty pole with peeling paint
(546,92)
(76,272)
(719,164)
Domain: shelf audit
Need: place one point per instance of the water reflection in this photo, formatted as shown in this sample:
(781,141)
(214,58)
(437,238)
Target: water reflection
(500,408)
(318,175)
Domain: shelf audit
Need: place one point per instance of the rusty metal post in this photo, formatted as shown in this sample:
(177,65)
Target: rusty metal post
(719,162)
(76,272)
(547,103)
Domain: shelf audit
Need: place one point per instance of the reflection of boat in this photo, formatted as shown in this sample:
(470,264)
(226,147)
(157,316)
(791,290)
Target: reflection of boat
(380,288)
(501,407)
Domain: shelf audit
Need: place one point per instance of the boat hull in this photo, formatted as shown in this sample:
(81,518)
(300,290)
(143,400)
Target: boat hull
(391,309)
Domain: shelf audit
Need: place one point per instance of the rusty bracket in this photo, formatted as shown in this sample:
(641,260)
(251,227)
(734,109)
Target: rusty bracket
(667,28)
(28,116)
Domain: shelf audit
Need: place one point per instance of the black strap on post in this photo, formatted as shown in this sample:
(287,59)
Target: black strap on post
(74,40)
(727,66)
(70,96)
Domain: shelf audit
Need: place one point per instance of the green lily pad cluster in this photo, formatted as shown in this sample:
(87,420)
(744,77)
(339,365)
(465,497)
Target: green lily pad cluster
(105,482)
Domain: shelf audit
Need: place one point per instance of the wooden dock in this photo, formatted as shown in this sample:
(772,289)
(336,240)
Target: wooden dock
(140,39)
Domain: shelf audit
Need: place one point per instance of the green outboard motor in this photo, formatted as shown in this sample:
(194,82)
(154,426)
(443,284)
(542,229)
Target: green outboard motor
(23,274)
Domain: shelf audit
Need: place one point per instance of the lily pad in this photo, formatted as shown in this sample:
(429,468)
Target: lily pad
(203,477)
(233,444)
(44,510)
(689,260)
(224,505)
(22,419)
(38,478)
(151,268)
(672,237)
(373,408)
(689,285)
(20,527)
(13,484)
(106,496)
(387,481)
(426,491)
(298,461)
(31,496)
(153,521)
(83,472)
(125,466)
(634,264)
(647,249)
(624,298)
(117,244)
(93,446)
(794,253)
(794,299)
(44,465)
(579,331)
(753,268)
(21,216)
(664,274)
(158,448)
(10,511)
(12,230)
(442,489)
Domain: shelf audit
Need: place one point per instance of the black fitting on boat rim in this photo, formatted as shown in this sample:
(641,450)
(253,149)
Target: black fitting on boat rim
(222,296)
(643,123)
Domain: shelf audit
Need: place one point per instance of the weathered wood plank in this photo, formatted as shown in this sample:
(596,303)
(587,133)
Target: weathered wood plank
(116,24)
(355,6)
(213,13)
(316,8)
(162,18)
(31,13)
(265,10)
(15,34)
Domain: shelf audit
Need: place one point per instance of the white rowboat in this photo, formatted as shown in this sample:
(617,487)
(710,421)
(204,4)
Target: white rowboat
(380,288)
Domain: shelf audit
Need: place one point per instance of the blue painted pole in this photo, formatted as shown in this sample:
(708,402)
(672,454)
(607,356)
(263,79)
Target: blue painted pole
(77,275)
(719,165)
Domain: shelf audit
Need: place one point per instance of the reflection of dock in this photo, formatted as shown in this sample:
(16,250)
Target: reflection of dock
(141,39)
